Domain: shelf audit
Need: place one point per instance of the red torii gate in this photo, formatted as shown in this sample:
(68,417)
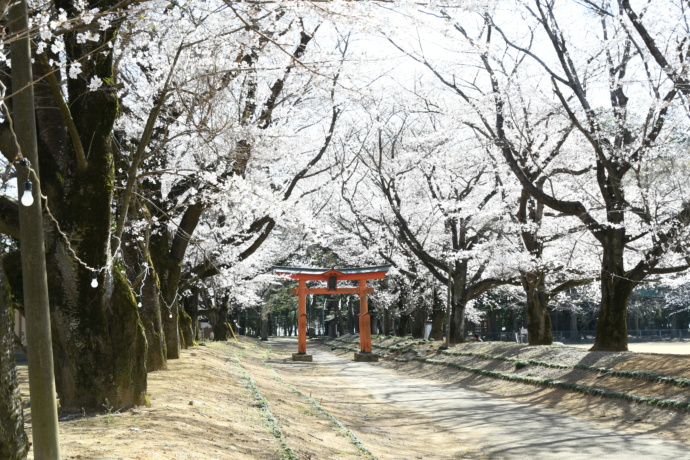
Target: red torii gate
(331,277)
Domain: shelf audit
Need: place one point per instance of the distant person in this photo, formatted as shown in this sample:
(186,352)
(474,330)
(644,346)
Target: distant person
(476,338)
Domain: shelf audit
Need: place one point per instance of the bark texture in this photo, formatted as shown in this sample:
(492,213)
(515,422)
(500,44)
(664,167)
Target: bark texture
(98,339)
(616,287)
(538,317)
(144,280)
(438,315)
(14,444)
(419,320)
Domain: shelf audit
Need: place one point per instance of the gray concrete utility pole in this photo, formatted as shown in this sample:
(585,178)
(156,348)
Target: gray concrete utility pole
(44,421)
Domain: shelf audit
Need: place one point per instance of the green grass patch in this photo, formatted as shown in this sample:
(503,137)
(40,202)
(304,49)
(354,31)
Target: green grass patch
(341,428)
(271,423)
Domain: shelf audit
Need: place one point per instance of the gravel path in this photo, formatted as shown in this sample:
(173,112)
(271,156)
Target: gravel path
(507,430)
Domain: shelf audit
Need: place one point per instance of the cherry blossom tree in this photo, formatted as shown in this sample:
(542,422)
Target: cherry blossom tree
(219,177)
(629,141)
(99,343)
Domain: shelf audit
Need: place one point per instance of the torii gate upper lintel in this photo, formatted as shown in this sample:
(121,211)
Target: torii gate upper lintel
(332,277)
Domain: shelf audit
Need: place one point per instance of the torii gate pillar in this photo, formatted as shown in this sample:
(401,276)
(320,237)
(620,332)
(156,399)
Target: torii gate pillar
(364,327)
(301,354)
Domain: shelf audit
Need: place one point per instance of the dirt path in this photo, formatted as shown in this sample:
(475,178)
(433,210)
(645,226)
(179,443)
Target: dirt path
(389,431)
(503,428)
(239,401)
(248,400)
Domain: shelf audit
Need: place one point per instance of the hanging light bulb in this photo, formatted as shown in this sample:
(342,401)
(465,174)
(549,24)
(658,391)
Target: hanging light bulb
(28,197)
(94,281)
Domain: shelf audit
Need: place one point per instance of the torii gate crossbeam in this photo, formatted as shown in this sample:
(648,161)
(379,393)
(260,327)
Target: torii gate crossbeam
(332,277)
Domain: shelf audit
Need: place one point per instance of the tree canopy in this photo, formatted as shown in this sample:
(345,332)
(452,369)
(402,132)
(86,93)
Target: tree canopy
(522,148)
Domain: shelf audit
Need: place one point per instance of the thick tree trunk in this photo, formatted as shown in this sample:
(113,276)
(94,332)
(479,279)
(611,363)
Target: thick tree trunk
(14,444)
(458,303)
(171,329)
(264,323)
(404,316)
(186,330)
(437,316)
(403,325)
(164,265)
(98,340)
(419,317)
(374,321)
(220,329)
(351,317)
(143,277)
(243,323)
(574,334)
(612,328)
(150,313)
(386,321)
(167,253)
(538,317)
(191,307)
(99,343)
(457,322)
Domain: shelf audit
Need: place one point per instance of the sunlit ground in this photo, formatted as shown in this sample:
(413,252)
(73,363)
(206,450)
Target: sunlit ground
(672,348)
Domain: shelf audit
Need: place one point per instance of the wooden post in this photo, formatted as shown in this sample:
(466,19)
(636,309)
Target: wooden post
(364,326)
(364,319)
(302,320)
(301,354)
(44,416)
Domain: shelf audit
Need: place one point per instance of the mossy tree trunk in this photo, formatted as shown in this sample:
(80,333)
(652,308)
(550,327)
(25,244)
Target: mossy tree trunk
(186,329)
(98,338)
(14,443)
(167,253)
(144,280)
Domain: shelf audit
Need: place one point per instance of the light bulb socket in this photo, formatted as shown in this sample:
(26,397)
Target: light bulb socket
(28,186)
